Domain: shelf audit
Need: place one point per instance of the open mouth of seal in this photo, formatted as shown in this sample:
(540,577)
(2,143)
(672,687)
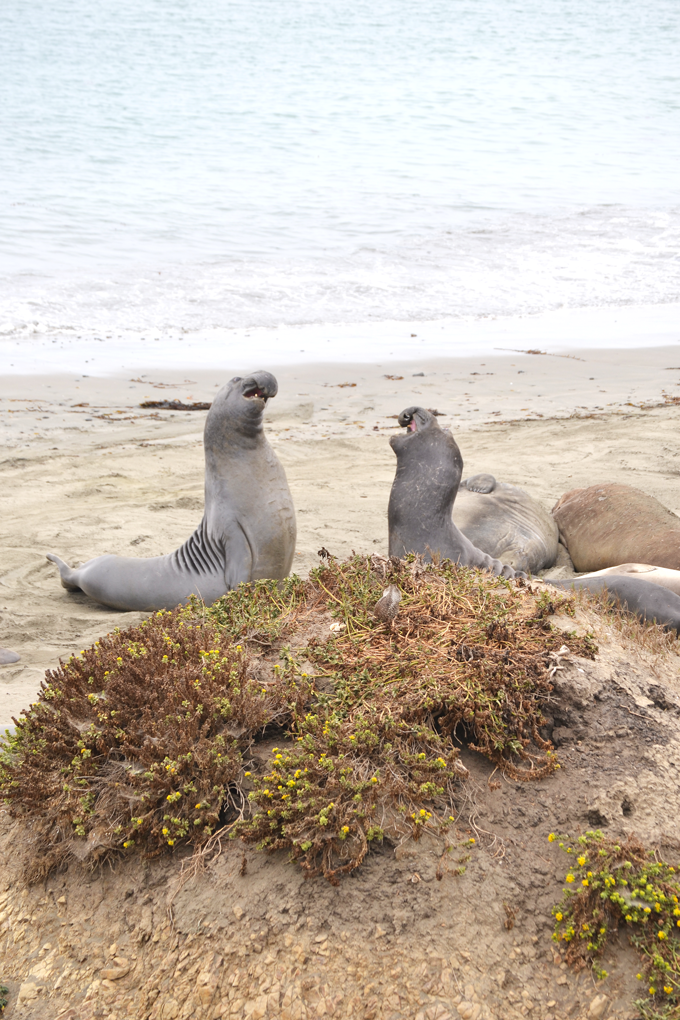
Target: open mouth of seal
(408,422)
(255,391)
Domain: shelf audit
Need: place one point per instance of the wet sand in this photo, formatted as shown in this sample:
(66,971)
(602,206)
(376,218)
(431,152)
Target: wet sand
(86,471)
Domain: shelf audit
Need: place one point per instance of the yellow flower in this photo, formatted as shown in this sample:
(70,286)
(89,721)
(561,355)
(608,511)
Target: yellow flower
(551,837)
(165,831)
(652,990)
(581,861)
(570,878)
(126,844)
(589,874)
(171,842)
(639,977)
(452,819)
(247,773)
(558,916)
(374,780)
(584,882)
(668,989)
(662,935)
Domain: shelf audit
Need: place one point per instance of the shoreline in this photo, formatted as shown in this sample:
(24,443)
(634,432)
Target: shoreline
(554,332)
(86,471)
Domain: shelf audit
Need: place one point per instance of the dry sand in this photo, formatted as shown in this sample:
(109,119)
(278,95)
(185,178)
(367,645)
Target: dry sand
(85,471)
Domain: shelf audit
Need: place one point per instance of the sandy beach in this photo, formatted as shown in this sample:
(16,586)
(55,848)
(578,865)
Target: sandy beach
(86,471)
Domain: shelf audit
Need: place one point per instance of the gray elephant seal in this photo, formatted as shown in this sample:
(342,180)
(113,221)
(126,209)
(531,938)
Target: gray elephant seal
(646,572)
(248,528)
(429,469)
(605,525)
(506,523)
(650,602)
(7,657)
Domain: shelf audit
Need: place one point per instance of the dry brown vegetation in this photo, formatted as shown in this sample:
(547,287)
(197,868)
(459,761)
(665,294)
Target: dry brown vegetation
(148,740)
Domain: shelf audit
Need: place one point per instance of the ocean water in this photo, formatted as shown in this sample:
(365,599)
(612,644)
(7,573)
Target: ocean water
(181,167)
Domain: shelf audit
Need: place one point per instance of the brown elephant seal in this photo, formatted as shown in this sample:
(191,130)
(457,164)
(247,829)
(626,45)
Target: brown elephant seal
(7,657)
(429,469)
(506,523)
(609,524)
(650,602)
(248,528)
(662,576)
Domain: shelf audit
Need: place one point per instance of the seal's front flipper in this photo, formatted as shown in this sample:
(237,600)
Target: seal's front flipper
(68,576)
(480,483)
(238,558)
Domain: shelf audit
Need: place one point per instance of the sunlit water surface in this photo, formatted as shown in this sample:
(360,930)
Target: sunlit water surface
(176,166)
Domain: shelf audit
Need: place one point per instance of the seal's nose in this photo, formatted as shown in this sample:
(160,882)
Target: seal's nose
(405,419)
(260,384)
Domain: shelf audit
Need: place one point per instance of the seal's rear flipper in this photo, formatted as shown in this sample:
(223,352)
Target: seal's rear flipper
(68,576)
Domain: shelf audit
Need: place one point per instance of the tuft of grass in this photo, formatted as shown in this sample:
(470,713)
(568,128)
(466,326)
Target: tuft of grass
(159,735)
(625,885)
(139,740)
(4,992)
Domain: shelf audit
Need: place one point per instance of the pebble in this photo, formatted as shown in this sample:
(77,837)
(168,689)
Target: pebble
(597,1007)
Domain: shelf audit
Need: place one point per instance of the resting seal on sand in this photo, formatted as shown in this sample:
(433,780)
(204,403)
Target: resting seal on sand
(248,528)
(429,468)
(506,523)
(650,602)
(646,572)
(610,524)
(6,657)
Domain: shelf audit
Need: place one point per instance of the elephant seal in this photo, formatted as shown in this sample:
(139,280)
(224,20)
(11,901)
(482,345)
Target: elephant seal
(429,469)
(662,576)
(7,657)
(506,523)
(651,602)
(605,525)
(248,528)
